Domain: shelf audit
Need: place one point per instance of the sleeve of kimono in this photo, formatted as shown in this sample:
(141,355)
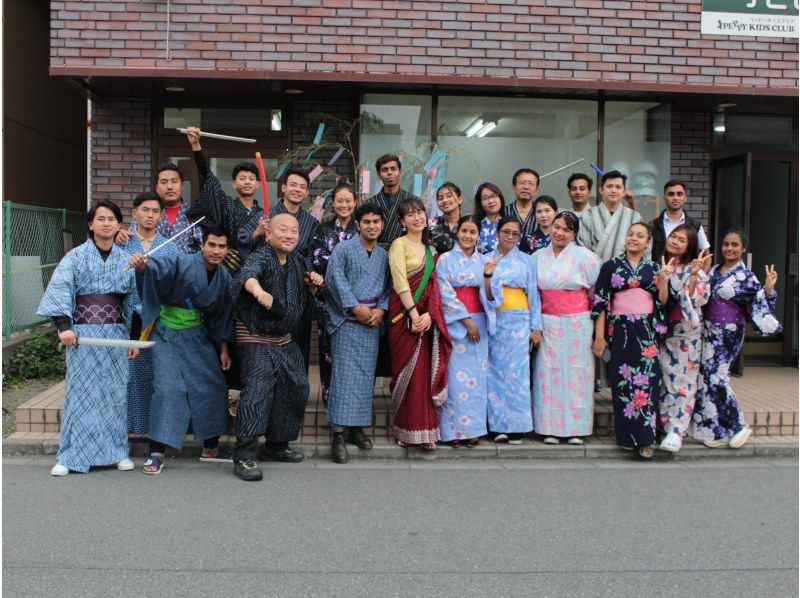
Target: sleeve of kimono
(602,289)
(454,310)
(211,199)
(585,232)
(336,278)
(590,266)
(257,265)
(691,304)
(760,310)
(534,301)
(397,266)
(318,251)
(59,297)
(161,271)
(244,237)
(219,321)
(383,300)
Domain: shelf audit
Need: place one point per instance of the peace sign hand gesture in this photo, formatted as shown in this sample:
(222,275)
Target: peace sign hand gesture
(667,268)
(702,262)
(771,278)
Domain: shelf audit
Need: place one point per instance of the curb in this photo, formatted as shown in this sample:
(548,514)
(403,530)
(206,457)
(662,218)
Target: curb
(484,451)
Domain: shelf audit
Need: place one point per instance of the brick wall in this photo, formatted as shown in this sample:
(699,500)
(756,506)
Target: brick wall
(121,150)
(690,160)
(522,41)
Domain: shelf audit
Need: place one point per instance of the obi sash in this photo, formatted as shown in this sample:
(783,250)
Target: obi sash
(370,303)
(564,302)
(98,309)
(631,302)
(514,298)
(471,298)
(722,311)
(243,336)
(180,318)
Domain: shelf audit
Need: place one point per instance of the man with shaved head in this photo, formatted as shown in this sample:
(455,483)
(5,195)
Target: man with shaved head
(272,293)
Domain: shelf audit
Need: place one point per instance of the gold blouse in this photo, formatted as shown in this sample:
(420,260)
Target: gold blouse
(402,260)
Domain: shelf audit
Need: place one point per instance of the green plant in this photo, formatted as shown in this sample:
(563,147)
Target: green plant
(38,357)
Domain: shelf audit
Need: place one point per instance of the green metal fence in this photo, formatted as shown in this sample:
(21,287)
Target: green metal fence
(33,244)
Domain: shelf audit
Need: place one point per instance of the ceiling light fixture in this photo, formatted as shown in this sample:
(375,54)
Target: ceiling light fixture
(293,91)
(486,129)
(474,128)
(175,88)
(719,123)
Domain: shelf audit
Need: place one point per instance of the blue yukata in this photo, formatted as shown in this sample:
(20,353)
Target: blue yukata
(194,317)
(188,242)
(140,382)
(635,321)
(354,277)
(510,323)
(460,279)
(100,298)
(488,236)
(735,298)
(533,243)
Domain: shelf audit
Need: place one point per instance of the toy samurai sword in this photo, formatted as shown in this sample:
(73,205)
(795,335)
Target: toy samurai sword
(170,240)
(218,136)
(113,342)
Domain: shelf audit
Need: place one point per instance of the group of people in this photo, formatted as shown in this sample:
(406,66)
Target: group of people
(492,324)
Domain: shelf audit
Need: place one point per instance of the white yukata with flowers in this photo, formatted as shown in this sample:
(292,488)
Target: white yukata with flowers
(463,415)
(563,375)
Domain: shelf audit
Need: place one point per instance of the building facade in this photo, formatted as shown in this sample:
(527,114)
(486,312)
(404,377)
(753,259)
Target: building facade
(497,85)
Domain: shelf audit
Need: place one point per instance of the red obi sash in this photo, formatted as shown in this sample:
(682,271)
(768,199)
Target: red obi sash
(631,302)
(564,302)
(471,298)
(676,314)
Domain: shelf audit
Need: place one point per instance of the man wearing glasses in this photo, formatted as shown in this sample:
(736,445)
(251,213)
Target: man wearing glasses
(525,184)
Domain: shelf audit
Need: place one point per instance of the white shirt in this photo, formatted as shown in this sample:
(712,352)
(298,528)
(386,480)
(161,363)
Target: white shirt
(670,225)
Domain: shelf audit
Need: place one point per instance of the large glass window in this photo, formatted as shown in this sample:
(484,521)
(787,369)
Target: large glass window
(256,121)
(637,143)
(489,138)
(395,124)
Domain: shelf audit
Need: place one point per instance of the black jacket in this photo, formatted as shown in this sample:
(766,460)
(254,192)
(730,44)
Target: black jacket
(660,236)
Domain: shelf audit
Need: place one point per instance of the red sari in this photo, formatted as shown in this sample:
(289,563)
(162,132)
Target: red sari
(419,365)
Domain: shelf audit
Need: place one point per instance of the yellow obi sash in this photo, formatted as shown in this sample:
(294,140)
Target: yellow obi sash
(514,298)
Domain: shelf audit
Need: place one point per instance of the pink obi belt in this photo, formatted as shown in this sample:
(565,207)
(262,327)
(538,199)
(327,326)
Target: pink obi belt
(631,302)
(722,311)
(564,302)
(471,298)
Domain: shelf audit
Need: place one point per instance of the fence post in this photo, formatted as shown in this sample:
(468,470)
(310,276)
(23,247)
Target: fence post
(7,311)
(63,219)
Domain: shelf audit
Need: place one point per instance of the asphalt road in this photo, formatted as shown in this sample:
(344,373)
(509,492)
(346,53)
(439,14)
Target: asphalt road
(454,528)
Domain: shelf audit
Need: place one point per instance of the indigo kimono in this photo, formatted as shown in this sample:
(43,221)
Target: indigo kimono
(354,277)
(735,298)
(194,318)
(100,298)
(634,321)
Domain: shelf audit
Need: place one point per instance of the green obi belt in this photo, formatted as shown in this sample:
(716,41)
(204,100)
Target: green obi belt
(180,318)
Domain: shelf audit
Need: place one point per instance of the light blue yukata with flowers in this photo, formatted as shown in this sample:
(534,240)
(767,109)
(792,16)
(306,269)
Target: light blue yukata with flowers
(463,415)
(140,382)
(509,380)
(488,236)
(100,298)
(354,277)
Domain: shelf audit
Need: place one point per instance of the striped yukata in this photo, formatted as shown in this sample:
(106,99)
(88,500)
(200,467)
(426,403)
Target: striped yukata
(604,232)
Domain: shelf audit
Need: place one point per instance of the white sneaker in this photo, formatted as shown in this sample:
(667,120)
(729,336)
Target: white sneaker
(550,440)
(716,443)
(125,465)
(59,470)
(576,440)
(672,442)
(738,439)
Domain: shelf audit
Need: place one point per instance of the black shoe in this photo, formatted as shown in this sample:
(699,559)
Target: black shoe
(283,455)
(356,436)
(247,470)
(338,448)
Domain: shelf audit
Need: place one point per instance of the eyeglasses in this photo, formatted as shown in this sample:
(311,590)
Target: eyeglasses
(511,234)
(488,197)
(527,183)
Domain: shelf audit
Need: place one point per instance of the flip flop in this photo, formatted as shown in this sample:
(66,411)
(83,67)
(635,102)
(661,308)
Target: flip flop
(153,461)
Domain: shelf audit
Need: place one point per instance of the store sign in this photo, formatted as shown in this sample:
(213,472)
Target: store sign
(763,18)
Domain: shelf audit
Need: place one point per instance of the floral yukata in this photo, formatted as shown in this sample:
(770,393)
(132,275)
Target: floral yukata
(327,236)
(443,238)
(735,298)
(488,236)
(460,278)
(563,376)
(680,354)
(634,317)
(533,243)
